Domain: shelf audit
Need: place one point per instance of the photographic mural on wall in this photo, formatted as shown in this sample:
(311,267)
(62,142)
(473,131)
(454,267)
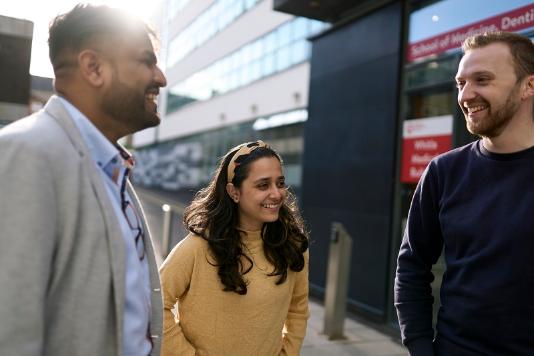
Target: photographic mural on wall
(173,166)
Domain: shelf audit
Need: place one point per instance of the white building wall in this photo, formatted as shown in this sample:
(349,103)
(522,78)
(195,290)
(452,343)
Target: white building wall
(284,91)
(187,15)
(253,24)
(145,137)
(280,92)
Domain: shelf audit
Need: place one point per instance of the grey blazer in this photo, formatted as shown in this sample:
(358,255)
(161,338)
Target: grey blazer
(61,251)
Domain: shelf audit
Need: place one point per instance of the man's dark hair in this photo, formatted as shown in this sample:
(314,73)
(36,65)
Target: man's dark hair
(71,32)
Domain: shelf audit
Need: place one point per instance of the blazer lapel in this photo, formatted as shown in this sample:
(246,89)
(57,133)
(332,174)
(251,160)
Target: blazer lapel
(156,296)
(55,108)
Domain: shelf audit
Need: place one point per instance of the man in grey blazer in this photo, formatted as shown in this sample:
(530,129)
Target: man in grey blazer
(77,268)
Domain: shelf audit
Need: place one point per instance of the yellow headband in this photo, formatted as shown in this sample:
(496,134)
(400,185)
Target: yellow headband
(244,150)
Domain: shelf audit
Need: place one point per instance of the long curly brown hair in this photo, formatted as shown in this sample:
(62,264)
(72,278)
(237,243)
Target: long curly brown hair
(213,215)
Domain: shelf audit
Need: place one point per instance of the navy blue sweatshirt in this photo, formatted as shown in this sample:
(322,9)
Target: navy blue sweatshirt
(479,207)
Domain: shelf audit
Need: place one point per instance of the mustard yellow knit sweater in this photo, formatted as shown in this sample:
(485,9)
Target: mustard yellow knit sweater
(270,320)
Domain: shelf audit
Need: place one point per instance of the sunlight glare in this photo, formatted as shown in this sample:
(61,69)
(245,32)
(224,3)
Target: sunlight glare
(42,12)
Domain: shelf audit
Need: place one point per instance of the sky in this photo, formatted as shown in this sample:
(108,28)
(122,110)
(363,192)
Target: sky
(41,12)
(450,14)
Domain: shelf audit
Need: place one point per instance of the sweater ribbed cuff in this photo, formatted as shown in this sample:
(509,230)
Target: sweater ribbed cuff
(421,347)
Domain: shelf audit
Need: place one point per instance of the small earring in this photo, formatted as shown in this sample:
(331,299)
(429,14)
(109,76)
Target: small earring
(236,200)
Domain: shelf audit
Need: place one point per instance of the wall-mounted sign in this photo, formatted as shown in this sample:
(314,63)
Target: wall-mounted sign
(512,21)
(423,139)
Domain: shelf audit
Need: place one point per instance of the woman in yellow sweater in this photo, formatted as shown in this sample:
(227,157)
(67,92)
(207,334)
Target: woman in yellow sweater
(240,278)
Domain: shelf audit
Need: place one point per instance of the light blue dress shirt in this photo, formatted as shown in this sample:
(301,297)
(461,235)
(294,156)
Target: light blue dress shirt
(137,289)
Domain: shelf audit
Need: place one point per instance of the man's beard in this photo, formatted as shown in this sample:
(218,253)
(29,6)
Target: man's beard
(495,123)
(127,105)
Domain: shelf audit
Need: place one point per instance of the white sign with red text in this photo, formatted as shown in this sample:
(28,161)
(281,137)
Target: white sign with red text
(423,139)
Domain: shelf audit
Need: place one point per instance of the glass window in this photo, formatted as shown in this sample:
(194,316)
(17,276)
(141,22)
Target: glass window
(236,60)
(241,56)
(233,82)
(207,31)
(217,69)
(208,75)
(222,85)
(218,16)
(430,103)
(237,9)
(245,75)
(270,41)
(283,58)
(433,72)
(257,49)
(224,4)
(260,58)
(316,27)
(218,86)
(246,53)
(223,20)
(226,65)
(299,51)
(255,70)
(268,64)
(284,34)
(300,28)
(249,4)
(192,32)
(174,6)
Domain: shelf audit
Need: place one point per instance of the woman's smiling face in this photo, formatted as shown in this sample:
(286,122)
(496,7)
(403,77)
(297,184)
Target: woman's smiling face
(261,194)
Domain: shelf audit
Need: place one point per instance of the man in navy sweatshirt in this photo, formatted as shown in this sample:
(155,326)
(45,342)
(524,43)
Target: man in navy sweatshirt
(476,203)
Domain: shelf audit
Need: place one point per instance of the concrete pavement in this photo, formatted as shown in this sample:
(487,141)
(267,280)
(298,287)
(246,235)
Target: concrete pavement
(361,339)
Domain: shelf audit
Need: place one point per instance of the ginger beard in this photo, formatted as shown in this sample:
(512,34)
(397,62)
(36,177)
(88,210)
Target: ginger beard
(489,123)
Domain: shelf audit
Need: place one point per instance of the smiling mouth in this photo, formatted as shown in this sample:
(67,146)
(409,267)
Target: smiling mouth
(475,109)
(270,206)
(151,97)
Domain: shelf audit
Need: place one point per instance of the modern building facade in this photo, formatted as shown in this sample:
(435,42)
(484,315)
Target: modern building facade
(15,53)
(357,96)
(236,71)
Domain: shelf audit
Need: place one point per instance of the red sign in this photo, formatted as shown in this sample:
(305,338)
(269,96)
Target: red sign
(512,21)
(423,139)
